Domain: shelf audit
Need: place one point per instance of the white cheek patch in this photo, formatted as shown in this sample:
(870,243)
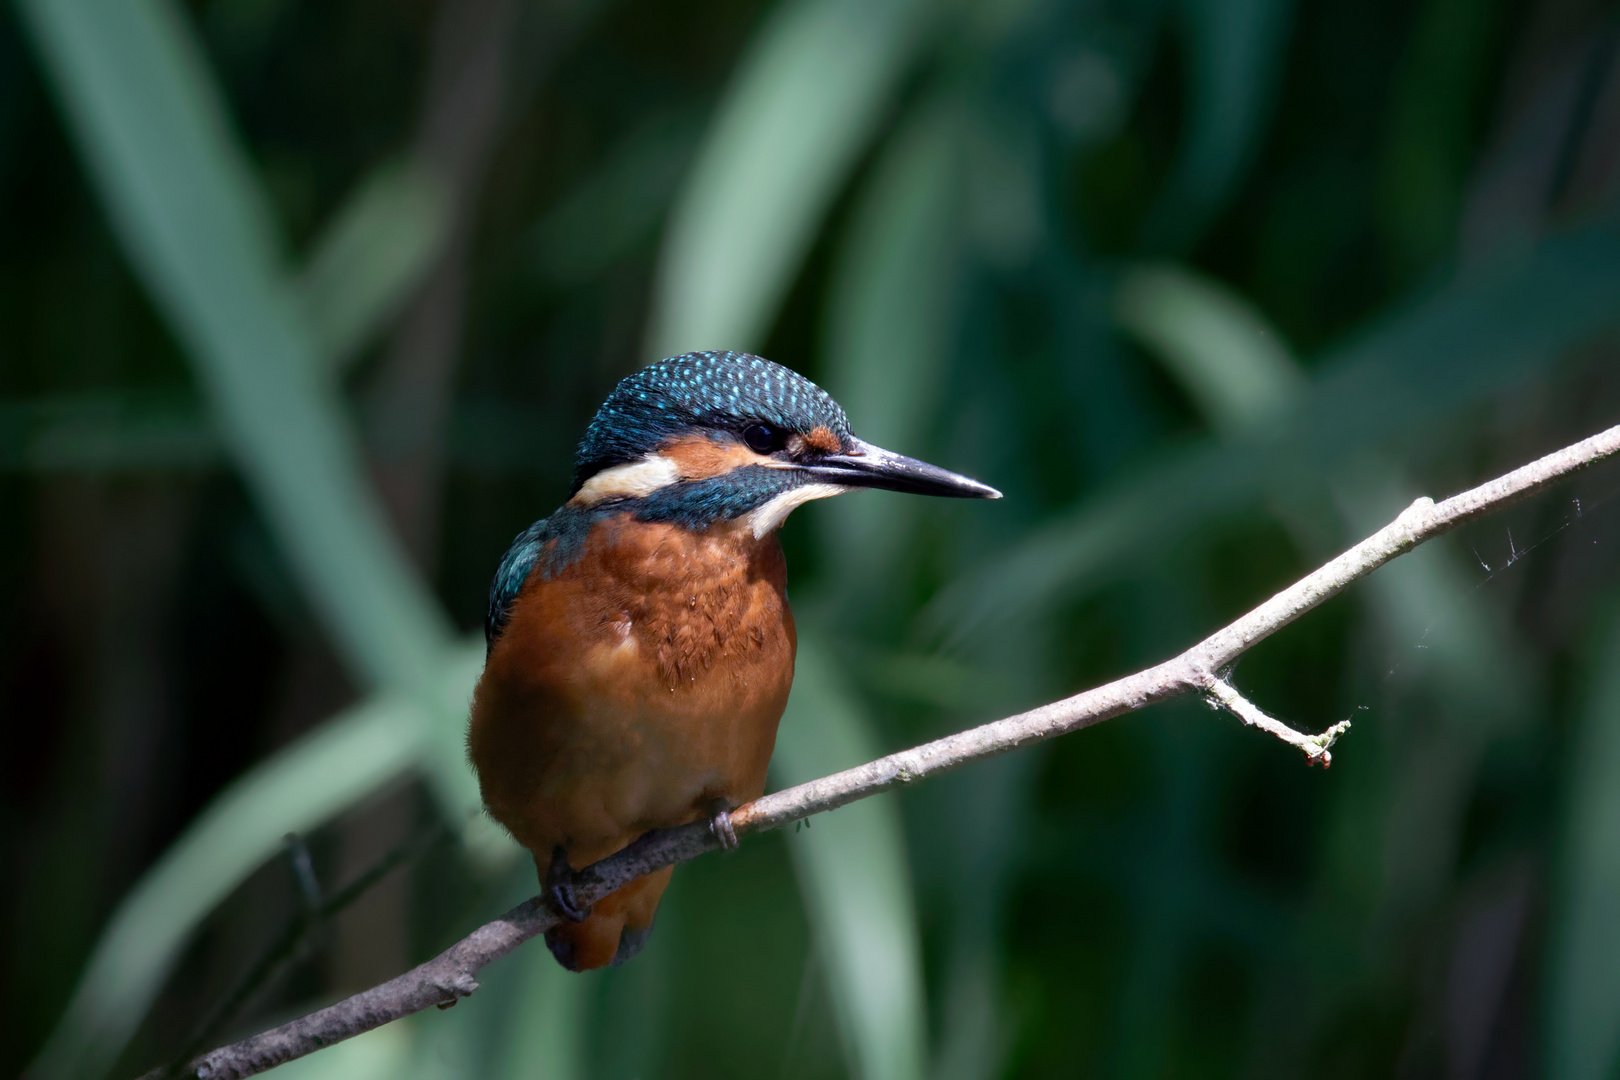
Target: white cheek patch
(765,518)
(633,481)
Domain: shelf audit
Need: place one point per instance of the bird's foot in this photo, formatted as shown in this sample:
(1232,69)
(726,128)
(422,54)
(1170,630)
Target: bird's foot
(720,825)
(559,888)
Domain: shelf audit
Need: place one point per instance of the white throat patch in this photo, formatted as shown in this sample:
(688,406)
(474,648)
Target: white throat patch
(765,518)
(632,481)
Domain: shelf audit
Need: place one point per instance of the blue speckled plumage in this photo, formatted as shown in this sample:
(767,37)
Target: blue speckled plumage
(726,390)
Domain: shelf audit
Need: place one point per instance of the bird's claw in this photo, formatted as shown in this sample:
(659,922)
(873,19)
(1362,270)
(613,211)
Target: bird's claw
(720,826)
(559,889)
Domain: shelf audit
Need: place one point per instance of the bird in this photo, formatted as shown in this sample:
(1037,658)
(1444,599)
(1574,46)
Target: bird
(640,645)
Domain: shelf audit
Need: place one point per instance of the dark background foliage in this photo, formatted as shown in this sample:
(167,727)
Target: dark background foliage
(1210,288)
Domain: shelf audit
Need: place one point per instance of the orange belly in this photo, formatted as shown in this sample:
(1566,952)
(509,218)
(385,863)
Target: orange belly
(629,692)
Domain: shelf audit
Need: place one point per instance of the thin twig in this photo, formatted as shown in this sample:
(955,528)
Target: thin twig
(290,946)
(1224,695)
(449,976)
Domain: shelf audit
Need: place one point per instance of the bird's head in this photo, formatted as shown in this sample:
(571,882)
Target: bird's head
(714,436)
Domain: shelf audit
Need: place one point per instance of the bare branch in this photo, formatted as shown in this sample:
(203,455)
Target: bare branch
(449,976)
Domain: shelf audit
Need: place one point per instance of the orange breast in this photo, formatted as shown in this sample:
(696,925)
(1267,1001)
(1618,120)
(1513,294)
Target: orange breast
(634,688)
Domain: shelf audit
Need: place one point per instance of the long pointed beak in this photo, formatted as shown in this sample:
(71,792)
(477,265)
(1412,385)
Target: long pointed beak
(874,467)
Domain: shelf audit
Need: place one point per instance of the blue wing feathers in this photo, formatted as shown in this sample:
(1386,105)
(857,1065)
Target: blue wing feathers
(550,544)
(515,568)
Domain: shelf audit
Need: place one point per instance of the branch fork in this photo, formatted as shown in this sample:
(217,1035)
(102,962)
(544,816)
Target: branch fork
(1221,694)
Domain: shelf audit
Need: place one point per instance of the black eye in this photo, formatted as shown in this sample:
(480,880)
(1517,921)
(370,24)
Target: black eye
(762,438)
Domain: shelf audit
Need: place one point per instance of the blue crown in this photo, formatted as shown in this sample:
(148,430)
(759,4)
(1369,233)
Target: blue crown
(703,390)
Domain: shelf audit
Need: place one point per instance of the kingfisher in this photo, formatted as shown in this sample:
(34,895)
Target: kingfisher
(640,643)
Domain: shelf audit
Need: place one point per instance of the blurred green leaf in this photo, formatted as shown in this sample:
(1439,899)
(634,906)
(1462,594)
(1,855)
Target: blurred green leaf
(298,789)
(315,778)
(982,816)
(106,432)
(1468,674)
(806,97)
(938,682)
(889,330)
(887,360)
(151,129)
(374,252)
(545,1037)
(618,205)
(853,875)
(153,135)
(631,1019)
(1489,330)
(530,1018)
(383,1053)
(1432,129)
(1234,365)
(112,432)
(1238,369)
(1235,52)
(1584,983)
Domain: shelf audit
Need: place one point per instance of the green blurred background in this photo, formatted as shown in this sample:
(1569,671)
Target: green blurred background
(305,303)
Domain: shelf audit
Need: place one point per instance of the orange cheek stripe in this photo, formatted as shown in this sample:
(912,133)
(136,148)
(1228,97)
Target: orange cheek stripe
(698,457)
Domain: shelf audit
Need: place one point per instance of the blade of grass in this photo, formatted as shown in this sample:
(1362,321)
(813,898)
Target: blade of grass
(315,778)
(1584,984)
(536,1022)
(889,330)
(1466,674)
(296,938)
(106,432)
(1238,369)
(1485,333)
(1226,357)
(151,131)
(888,347)
(182,199)
(153,136)
(388,1053)
(1435,100)
(545,1031)
(630,1020)
(853,875)
(805,99)
(1235,52)
(376,249)
(109,432)
(986,814)
(616,207)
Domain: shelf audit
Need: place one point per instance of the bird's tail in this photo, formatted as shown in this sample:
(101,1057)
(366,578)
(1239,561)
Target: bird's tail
(615,930)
